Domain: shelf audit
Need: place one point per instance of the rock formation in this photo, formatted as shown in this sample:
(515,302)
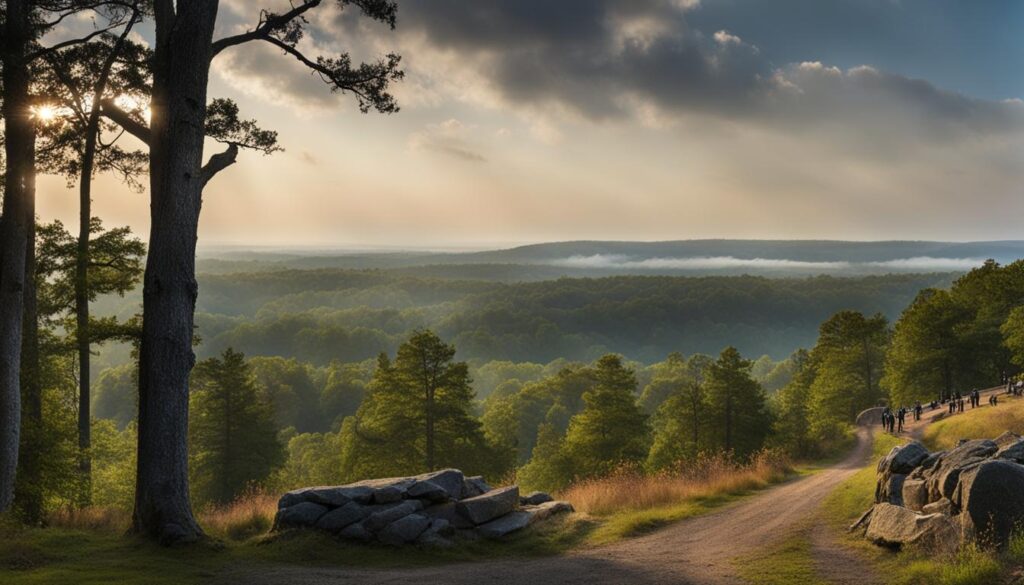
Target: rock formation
(972,493)
(433,509)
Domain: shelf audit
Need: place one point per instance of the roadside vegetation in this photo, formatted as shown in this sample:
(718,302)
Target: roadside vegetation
(971,566)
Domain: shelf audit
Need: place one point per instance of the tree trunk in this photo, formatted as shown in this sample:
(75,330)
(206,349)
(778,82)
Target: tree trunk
(14,230)
(430,429)
(82,306)
(180,73)
(28,489)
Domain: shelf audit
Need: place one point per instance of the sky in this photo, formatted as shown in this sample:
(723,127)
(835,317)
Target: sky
(546,120)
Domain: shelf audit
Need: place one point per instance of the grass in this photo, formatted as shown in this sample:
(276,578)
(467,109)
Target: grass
(629,503)
(985,422)
(788,562)
(971,566)
(90,546)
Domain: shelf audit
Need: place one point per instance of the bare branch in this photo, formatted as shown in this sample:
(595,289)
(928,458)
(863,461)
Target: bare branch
(124,120)
(269,23)
(218,163)
(72,42)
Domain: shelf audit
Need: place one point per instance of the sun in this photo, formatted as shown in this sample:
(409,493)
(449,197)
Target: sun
(44,113)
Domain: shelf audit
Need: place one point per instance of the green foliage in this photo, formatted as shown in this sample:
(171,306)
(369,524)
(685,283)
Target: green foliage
(681,424)
(115,395)
(113,464)
(290,387)
(1013,335)
(550,467)
(736,405)
(232,435)
(416,417)
(611,430)
(848,361)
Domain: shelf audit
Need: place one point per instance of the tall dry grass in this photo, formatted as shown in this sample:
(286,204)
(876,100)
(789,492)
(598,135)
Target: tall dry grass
(252,514)
(705,476)
(91,518)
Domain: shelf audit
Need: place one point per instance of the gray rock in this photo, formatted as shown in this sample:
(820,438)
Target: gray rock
(890,489)
(427,490)
(356,532)
(946,472)
(301,515)
(331,496)
(915,494)
(505,525)
(535,498)
(448,513)
(381,518)
(1012,452)
(896,526)
(990,497)
(388,494)
(338,519)
(540,512)
(1006,439)
(905,458)
(474,486)
(487,507)
(437,535)
(943,506)
(404,530)
(450,480)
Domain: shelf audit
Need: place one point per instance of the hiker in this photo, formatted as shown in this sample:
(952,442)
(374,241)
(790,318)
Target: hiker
(960,404)
(900,416)
(918,409)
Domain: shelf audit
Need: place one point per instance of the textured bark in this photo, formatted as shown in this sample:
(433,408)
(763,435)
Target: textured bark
(82,330)
(14,231)
(181,71)
(28,491)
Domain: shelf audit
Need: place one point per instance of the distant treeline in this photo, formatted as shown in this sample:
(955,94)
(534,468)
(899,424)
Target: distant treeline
(325,315)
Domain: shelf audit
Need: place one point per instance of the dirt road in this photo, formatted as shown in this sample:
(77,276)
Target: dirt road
(698,551)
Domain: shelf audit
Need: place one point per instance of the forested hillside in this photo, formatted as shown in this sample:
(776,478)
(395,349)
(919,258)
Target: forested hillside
(323,315)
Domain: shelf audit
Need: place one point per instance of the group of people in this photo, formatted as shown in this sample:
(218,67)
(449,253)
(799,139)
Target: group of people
(1015,388)
(893,421)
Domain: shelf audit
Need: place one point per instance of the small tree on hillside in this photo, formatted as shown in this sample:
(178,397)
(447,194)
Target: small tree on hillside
(611,430)
(737,404)
(416,416)
(233,437)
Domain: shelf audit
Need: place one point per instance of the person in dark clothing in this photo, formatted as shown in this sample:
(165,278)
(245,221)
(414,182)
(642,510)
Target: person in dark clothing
(901,415)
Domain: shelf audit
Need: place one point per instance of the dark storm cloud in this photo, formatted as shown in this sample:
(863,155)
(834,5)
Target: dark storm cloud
(608,59)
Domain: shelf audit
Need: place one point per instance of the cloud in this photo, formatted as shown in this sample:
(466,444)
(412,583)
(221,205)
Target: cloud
(448,138)
(622,262)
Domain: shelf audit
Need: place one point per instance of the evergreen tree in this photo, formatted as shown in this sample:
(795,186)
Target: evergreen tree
(550,468)
(791,427)
(737,404)
(929,356)
(233,436)
(1013,335)
(849,359)
(611,430)
(417,416)
(681,422)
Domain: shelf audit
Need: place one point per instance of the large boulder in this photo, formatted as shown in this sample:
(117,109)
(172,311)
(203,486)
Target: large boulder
(1012,452)
(991,497)
(340,518)
(535,499)
(404,530)
(890,489)
(489,506)
(301,515)
(448,512)
(381,518)
(903,459)
(331,496)
(505,525)
(945,474)
(450,480)
(475,486)
(896,526)
(914,494)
